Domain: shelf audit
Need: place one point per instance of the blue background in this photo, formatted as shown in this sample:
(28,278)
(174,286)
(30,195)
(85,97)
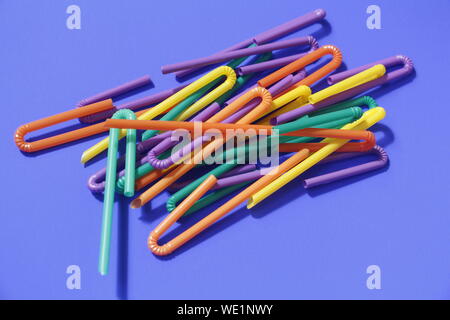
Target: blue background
(296,245)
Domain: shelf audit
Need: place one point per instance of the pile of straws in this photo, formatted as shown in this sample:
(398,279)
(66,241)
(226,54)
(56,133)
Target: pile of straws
(280,107)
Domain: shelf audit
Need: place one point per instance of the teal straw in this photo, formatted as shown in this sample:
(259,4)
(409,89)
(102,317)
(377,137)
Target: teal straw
(111,167)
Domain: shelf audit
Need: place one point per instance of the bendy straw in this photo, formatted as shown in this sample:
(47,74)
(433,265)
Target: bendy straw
(271,64)
(236,54)
(117,91)
(223,114)
(368,119)
(108,201)
(381,162)
(215,215)
(230,78)
(358,79)
(269,35)
(132,105)
(404,61)
(314,100)
(193,127)
(19,136)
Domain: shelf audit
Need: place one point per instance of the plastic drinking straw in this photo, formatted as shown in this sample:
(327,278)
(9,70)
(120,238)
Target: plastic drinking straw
(275,89)
(174,100)
(117,91)
(223,114)
(337,119)
(19,136)
(175,112)
(218,194)
(302,63)
(407,68)
(239,83)
(290,26)
(361,101)
(269,35)
(216,214)
(381,162)
(347,84)
(108,201)
(368,119)
(235,54)
(370,74)
(132,105)
(193,127)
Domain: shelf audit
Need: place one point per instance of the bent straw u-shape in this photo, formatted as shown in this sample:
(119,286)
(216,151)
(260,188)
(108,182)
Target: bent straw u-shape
(302,63)
(96,181)
(368,119)
(215,215)
(19,136)
(175,174)
(230,79)
(108,201)
(381,162)
(270,35)
(408,68)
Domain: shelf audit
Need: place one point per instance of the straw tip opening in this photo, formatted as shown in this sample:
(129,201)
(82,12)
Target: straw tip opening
(136,203)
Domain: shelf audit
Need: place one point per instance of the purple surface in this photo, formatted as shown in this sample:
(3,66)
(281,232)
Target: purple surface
(397,218)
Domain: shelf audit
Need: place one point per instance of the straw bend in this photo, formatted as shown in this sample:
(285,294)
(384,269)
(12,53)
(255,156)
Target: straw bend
(303,62)
(19,136)
(235,54)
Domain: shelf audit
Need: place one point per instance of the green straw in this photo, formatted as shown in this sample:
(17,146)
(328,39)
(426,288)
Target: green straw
(111,167)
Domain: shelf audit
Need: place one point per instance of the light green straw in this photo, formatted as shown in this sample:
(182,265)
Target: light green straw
(111,167)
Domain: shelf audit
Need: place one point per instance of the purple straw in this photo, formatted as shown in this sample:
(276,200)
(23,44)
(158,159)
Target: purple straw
(117,91)
(96,182)
(235,54)
(132,105)
(269,35)
(276,63)
(349,172)
(391,76)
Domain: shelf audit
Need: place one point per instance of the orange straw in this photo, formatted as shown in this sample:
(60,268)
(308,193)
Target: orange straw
(59,139)
(303,62)
(218,213)
(161,185)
